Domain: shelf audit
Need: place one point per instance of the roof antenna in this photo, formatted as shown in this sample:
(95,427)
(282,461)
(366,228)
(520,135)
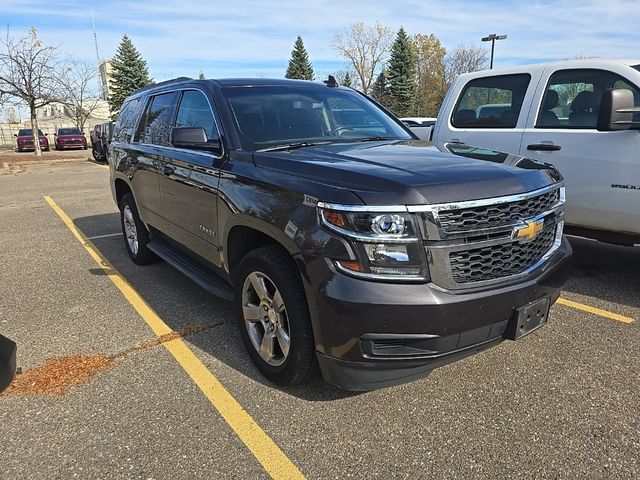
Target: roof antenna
(330,82)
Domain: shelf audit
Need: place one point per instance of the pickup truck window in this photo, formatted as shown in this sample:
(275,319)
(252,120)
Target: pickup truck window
(155,124)
(491,102)
(123,130)
(572,97)
(271,115)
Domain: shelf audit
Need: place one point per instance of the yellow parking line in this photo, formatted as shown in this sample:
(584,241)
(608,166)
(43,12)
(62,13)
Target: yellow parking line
(274,461)
(595,311)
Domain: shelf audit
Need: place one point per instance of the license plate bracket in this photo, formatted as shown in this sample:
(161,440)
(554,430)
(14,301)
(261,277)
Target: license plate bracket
(528,318)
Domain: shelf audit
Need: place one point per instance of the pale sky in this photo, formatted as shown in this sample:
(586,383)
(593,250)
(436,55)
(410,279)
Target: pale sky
(255,37)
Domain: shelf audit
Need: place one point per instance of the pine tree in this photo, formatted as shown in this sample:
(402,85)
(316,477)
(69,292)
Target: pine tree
(299,66)
(401,72)
(380,89)
(201,75)
(130,73)
(346,81)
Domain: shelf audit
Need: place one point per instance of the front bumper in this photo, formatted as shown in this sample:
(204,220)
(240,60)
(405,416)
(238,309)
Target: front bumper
(372,335)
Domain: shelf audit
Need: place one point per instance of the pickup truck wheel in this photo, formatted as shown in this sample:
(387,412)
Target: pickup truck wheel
(273,316)
(135,233)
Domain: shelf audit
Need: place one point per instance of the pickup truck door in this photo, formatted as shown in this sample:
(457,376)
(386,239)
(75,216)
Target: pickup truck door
(602,169)
(189,182)
(487,111)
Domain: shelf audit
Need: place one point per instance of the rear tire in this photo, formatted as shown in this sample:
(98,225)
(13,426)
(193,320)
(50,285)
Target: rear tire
(273,316)
(136,236)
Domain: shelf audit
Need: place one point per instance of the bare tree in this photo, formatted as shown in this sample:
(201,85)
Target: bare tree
(464,59)
(79,90)
(27,75)
(366,48)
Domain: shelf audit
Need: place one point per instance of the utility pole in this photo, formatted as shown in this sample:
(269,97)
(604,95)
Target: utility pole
(492,38)
(95,40)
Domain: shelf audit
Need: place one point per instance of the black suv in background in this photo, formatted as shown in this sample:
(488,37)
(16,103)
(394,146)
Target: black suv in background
(100,139)
(344,241)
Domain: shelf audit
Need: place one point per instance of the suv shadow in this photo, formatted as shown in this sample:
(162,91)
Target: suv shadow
(180,302)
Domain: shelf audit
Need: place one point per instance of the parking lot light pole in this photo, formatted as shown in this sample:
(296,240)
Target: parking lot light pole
(492,38)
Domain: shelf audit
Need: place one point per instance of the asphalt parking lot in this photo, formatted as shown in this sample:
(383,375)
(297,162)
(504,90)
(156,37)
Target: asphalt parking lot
(561,403)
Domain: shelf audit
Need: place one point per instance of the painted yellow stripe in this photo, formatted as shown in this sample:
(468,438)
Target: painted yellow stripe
(595,311)
(274,461)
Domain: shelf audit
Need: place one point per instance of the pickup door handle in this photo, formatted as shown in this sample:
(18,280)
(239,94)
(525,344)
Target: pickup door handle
(168,170)
(545,147)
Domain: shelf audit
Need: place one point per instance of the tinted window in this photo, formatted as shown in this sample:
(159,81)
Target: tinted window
(69,131)
(491,102)
(123,130)
(275,115)
(194,111)
(155,125)
(28,132)
(572,97)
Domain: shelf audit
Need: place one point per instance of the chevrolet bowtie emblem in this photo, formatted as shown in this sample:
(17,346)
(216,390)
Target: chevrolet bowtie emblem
(530,230)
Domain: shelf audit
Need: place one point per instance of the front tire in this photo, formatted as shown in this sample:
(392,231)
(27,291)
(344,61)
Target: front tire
(136,236)
(273,316)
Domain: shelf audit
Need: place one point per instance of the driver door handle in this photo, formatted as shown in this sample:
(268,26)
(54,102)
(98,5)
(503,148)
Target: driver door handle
(544,147)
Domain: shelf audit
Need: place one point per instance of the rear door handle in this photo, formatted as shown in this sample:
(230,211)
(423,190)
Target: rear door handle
(168,170)
(544,147)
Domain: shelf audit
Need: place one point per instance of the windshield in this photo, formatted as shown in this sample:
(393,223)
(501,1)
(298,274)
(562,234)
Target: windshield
(68,131)
(268,116)
(27,132)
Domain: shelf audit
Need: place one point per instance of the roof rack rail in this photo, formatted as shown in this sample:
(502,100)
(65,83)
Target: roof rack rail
(159,84)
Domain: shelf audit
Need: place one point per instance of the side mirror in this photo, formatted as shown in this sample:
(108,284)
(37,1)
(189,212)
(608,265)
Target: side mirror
(46,134)
(194,139)
(55,134)
(15,135)
(616,110)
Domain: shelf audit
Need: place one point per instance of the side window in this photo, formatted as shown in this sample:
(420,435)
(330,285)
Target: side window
(491,102)
(155,124)
(194,111)
(572,97)
(123,130)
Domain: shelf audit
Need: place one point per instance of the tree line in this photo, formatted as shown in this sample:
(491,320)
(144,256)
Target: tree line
(409,74)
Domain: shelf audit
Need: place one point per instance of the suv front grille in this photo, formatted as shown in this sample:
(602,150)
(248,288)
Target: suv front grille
(499,261)
(499,214)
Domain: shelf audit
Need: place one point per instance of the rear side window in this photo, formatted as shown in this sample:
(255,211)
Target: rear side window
(123,130)
(491,102)
(572,98)
(194,111)
(155,124)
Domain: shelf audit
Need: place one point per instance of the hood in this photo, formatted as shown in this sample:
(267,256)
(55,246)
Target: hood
(410,172)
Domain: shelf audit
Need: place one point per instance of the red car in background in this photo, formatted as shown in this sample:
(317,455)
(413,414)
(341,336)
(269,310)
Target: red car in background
(24,140)
(70,138)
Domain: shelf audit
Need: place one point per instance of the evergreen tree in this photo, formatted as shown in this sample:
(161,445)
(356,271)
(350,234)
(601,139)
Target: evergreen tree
(299,65)
(380,89)
(401,72)
(130,73)
(201,75)
(346,81)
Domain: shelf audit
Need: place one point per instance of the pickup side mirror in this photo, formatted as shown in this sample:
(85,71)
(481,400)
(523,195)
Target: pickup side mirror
(616,111)
(194,139)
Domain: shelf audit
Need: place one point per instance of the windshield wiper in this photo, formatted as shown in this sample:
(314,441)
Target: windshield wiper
(292,146)
(375,138)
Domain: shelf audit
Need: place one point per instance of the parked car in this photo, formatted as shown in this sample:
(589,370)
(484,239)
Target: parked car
(7,361)
(569,114)
(24,140)
(100,139)
(348,246)
(69,138)
(421,126)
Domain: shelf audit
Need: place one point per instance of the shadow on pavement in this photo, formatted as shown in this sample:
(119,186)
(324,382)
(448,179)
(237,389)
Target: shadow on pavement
(180,303)
(604,271)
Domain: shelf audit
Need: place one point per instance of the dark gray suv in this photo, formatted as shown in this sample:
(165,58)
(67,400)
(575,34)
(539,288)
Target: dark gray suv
(345,242)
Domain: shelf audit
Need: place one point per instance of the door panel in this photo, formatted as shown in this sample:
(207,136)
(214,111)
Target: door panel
(601,169)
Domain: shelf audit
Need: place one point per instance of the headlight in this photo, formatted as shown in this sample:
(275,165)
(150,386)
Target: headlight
(387,245)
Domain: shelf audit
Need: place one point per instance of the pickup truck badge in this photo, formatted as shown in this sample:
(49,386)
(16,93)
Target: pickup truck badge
(529,231)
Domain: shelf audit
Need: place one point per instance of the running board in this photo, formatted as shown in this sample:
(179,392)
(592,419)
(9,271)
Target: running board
(208,280)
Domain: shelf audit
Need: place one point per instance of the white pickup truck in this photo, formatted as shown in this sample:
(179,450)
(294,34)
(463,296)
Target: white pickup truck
(582,116)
